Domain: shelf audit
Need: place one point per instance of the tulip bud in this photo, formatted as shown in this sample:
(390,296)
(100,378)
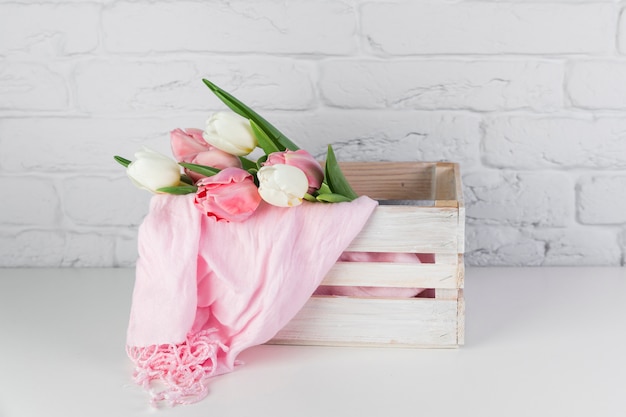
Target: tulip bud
(186,144)
(303,160)
(231,133)
(152,170)
(189,146)
(282,185)
(230,195)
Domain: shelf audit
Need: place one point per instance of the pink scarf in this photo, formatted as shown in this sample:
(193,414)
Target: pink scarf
(206,290)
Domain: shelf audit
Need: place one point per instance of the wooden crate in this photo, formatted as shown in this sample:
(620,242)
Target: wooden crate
(421,211)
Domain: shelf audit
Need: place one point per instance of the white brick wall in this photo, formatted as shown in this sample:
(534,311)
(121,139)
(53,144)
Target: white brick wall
(529,96)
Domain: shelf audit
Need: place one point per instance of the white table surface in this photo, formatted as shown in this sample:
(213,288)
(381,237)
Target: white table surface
(539,342)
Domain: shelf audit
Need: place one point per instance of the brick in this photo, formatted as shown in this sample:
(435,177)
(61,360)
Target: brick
(236,26)
(88,250)
(621,33)
(169,86)
(126,252)
(521,199)
(622,243)
(597,85)
(602,199)
(90,143)
(82,144)
(88,201)
(28,201)
(48,29)
(477,85)
(580,246)
(487,28)
(31,248)
(29,86)
(501,246)
(526,246)
(535,142)
(362,135)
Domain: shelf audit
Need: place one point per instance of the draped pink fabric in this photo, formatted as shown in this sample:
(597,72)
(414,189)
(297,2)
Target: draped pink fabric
(205,290)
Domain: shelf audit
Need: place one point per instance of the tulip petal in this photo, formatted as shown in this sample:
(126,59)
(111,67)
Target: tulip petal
(282,185)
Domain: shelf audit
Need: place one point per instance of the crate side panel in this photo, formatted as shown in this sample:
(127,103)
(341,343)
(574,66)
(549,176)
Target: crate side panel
(410,230)
(371,321)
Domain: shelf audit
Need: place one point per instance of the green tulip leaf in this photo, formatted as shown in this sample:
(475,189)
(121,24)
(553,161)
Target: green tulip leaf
(309,197)
(333,198)
(179,189)
(186,179)
(241,109)
(122,161)
(261,161)
(324,189)
(335,178)
(287,144)
(200,169)
(246,163)
(265,142)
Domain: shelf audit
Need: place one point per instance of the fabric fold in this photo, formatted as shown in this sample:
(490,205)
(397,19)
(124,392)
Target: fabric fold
(234,284)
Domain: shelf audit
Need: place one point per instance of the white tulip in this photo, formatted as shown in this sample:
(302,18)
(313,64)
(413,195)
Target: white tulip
(152,170)
(230,133)
(282,185)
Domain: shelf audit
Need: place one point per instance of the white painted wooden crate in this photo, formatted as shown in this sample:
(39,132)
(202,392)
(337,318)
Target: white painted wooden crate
(421,211)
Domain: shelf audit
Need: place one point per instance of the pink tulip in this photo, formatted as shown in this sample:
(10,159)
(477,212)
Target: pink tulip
(304,161)
(189,146)
(186,144)
(230,195)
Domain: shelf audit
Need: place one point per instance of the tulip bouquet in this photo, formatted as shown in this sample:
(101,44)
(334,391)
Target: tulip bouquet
(228,185)
(215,275)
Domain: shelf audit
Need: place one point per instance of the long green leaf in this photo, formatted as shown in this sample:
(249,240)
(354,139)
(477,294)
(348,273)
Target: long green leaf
(324,189)
(261,161)
(122,161)
(335,178)
(246,163)
(179,190)
(200,169)
(243,110)
(265,142)
(186,179)
(333,198)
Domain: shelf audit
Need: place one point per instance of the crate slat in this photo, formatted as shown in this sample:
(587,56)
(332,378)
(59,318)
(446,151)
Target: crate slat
(396,275)
(410,230)
(373,322)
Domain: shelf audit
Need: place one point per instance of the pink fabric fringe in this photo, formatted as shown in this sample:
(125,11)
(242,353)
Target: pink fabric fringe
(176,373)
